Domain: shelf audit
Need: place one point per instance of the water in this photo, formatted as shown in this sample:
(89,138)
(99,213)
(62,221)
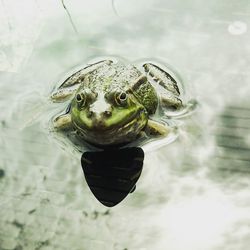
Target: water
(188,196)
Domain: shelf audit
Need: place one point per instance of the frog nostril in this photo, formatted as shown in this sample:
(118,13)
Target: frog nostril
(107,113)
(90,114)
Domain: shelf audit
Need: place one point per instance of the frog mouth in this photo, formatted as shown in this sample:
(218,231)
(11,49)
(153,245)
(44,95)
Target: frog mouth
(120,134)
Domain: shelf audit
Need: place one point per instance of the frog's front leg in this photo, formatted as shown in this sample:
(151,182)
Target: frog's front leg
(154,128)
(169,95)
(62,122)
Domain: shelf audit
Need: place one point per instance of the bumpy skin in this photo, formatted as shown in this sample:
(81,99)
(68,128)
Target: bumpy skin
(111,103)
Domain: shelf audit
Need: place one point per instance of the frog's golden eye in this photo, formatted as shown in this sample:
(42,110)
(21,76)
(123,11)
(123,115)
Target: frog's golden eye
(80,98)
(121,98)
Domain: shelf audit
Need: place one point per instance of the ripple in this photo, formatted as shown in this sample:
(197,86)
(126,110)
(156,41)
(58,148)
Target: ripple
(237,28)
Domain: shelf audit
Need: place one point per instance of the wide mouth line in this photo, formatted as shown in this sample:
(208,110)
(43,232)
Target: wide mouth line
(101,133)
(111,129)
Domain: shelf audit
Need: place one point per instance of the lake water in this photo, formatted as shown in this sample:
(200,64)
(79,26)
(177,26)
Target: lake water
(193,193)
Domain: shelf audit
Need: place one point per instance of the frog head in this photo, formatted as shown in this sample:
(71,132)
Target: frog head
(107,117)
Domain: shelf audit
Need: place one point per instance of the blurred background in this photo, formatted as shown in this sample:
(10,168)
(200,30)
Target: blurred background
(192,194)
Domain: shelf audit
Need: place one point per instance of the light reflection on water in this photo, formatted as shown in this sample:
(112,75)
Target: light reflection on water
(182,200)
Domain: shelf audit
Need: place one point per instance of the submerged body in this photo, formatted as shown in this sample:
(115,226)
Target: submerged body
(113,103)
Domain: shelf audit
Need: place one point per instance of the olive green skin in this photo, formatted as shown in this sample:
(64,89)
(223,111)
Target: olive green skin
(98,113)
(113,102)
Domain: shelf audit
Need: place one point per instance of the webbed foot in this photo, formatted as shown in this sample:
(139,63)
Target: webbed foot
(62,122)
(154,128)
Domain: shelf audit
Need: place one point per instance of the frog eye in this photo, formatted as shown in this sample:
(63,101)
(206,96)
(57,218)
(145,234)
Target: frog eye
(80,98)
(121,98)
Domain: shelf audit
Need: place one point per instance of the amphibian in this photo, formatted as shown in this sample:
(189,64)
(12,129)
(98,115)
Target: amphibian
(114,102)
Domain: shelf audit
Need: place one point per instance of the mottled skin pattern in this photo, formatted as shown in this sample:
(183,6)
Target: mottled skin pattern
(111,103)
(122,77)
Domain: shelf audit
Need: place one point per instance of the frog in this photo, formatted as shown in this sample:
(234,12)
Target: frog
(111,103)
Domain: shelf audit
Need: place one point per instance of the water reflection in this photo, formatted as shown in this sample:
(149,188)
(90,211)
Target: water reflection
(232,138)
(112,173)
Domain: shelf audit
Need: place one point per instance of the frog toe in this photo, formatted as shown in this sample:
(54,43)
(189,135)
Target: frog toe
(62,122)
(154,128)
